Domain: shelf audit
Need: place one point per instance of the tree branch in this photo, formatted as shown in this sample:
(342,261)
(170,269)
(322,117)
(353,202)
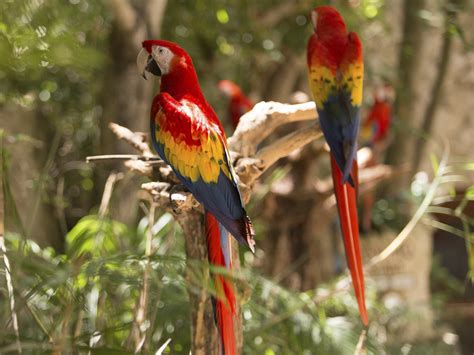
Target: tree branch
(263,119)
(289,143)
(137,140)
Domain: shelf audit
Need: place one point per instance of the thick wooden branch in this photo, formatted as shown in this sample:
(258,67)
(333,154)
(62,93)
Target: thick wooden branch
(286,145)
(260,122)
(263,119)
(249,169)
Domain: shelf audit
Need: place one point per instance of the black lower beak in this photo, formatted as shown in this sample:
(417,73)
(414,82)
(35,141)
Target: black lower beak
(152,67)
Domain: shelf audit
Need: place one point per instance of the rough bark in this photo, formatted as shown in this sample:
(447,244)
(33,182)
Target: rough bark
(409,60)
(204,336)
(298,237)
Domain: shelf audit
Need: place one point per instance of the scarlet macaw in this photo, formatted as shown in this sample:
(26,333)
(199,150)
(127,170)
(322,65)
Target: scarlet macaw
(187,135)
(377,124)
(336,70)
(374,134)
(238,104)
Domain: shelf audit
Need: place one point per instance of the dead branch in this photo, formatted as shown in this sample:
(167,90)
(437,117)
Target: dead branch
(142,306)
(263,119)
(284,146)
(253,128)
(101,158)
(136,139)
(107,195)
(249,162)
(360,348)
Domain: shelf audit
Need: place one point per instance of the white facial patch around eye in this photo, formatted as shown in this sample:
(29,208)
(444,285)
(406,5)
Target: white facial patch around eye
(162,57)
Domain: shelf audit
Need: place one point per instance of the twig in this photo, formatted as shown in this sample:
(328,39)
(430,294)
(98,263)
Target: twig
(149,159)
(10,290)
(107,195)
(163,347)
(142,308)
(360,348)
(136,140)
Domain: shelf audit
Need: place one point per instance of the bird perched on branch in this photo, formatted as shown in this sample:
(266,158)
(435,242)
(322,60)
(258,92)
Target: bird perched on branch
(336,70)
(187,135)
(238,102)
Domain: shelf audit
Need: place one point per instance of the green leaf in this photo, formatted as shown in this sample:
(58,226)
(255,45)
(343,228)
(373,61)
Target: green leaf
(94,236)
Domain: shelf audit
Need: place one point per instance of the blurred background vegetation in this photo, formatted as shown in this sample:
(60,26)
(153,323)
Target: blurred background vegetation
(72,274)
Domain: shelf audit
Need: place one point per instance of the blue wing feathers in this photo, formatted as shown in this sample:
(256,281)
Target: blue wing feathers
(222,199)
(339,121)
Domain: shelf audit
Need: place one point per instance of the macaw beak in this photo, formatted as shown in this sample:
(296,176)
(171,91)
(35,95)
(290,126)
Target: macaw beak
(146,63)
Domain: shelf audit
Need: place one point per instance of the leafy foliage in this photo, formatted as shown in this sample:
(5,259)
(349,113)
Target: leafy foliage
(87,297)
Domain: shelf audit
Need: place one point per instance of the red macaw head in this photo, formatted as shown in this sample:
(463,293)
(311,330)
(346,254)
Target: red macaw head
(327,20)
(161,58)
(229,88)
(384,93)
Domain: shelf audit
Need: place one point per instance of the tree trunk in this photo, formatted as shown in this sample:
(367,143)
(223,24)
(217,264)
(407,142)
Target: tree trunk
(204,337)
(204,334)
(444,55)
(127,97)
(299,237)
(409,60)
(29,162)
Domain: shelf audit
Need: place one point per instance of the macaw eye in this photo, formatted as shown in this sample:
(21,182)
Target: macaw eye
(161,51)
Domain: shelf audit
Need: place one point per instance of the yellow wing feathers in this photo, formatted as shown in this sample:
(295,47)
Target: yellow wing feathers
(322,82)
(353,79)
(203,161)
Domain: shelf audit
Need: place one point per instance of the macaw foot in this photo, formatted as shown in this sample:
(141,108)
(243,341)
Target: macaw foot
(181,199)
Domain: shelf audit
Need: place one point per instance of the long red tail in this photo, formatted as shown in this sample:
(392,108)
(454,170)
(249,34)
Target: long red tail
(346,197)
(218,244)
